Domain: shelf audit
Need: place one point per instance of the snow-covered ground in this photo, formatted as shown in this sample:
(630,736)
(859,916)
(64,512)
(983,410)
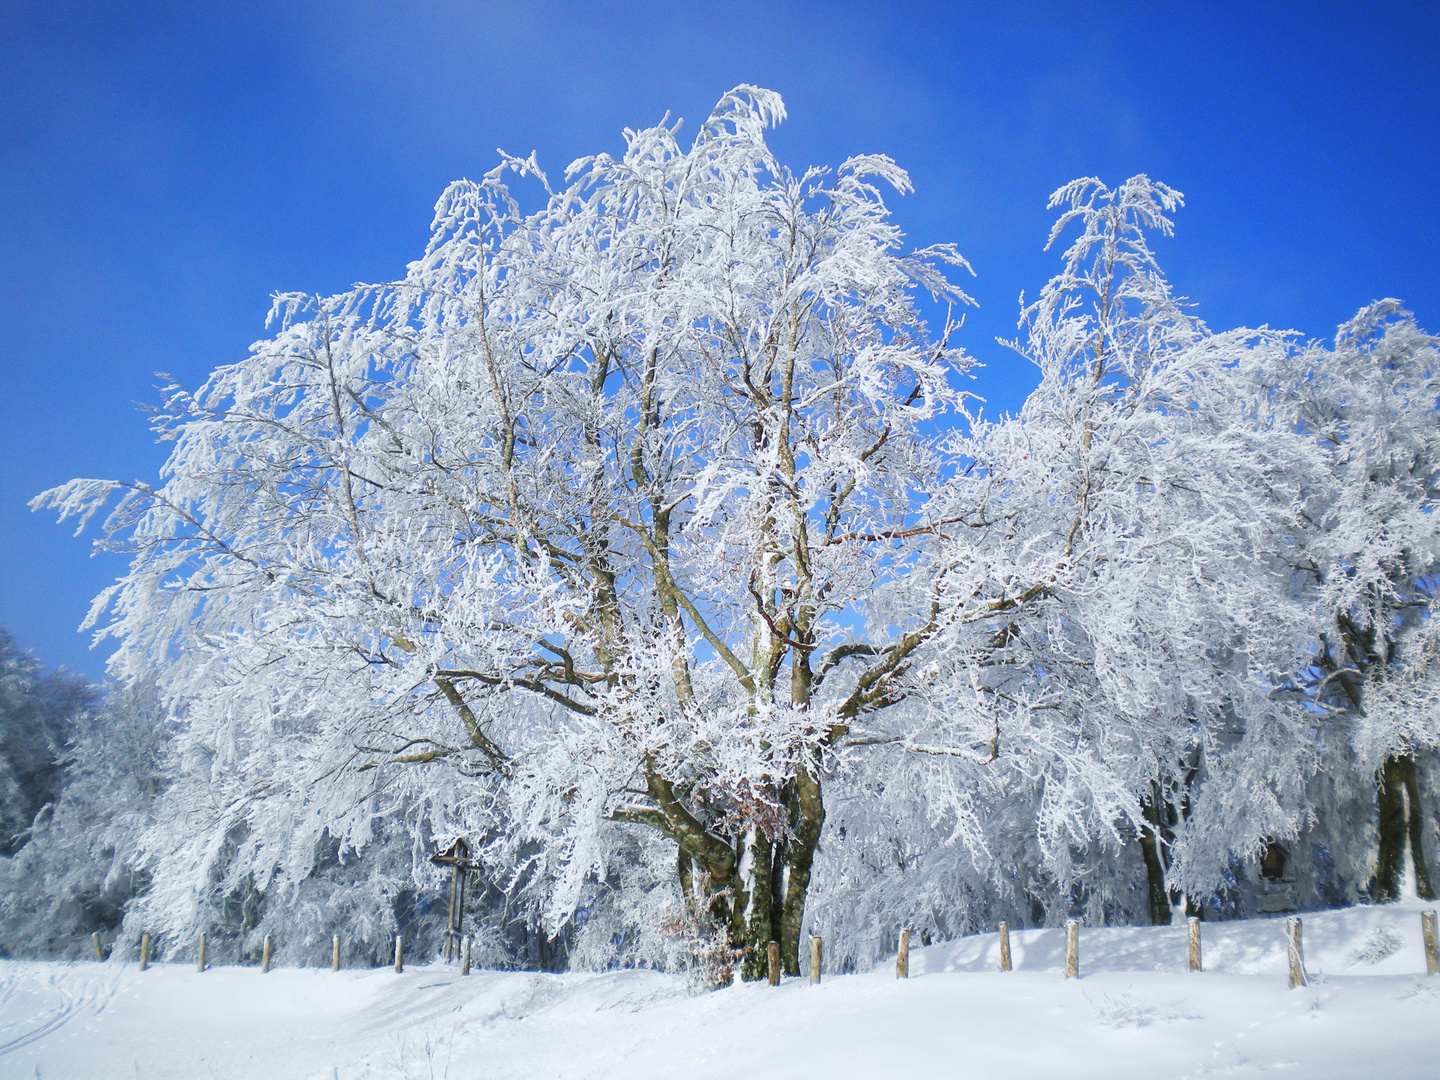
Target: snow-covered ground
(1370,1011)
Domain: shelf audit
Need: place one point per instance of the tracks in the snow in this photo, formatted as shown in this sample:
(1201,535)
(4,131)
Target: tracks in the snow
(60,998)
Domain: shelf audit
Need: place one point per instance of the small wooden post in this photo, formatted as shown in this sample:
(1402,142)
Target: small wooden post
(816,948)
(399,955)
(1072,949)
(335,953)
(1427,931)
(200,955)
(902,956)
(452,929)
(465,957)
(772,957)
(144,950)
(1194,943)
(1297,953)
(1004,946)
(265,956)
(95,940)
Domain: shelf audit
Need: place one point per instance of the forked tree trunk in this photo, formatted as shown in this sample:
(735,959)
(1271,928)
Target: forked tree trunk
(762,899)
(1402,819)
(772,883)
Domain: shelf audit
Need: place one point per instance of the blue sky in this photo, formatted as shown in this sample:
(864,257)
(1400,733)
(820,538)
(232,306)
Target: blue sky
(165,168)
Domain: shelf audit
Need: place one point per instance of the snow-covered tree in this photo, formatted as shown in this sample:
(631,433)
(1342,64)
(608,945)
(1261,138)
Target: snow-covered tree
(1367,560)
(39,713)
(1118,616)
(81,867)
(562,536)
(626,536)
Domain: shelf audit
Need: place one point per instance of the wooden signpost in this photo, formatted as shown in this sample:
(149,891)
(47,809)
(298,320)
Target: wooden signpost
(457,857)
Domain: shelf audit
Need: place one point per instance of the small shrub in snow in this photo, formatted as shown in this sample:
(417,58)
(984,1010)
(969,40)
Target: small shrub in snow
(1121,1009)
(1383,942)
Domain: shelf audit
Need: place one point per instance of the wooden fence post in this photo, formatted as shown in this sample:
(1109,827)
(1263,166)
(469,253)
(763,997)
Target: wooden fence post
(1427,931)
(95,940)
(335,953)
(902,956)
(265,956)
(1004,946)
(816,947)
(1297,953)
(200,955)
(772,957)
(144,950)
(465,957)
(399,955)
(1072,949)
(1194,943)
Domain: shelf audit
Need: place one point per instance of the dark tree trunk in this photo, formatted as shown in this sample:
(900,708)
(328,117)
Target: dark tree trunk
(1153,843)
(1423,886)
(755,885)
(807,818)
(1401,819)
(1158,896)
(1392,833)
(751,925)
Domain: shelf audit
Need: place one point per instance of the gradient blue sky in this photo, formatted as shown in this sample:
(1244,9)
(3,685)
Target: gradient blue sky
(165,168)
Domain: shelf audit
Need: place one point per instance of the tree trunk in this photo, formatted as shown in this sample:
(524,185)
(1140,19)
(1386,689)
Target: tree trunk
(755,886)
(1161,817)
(1401,819)
(807,818)
(751,926)
(1392,834)
(1424,888)
(1157,895)
(1152,847)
